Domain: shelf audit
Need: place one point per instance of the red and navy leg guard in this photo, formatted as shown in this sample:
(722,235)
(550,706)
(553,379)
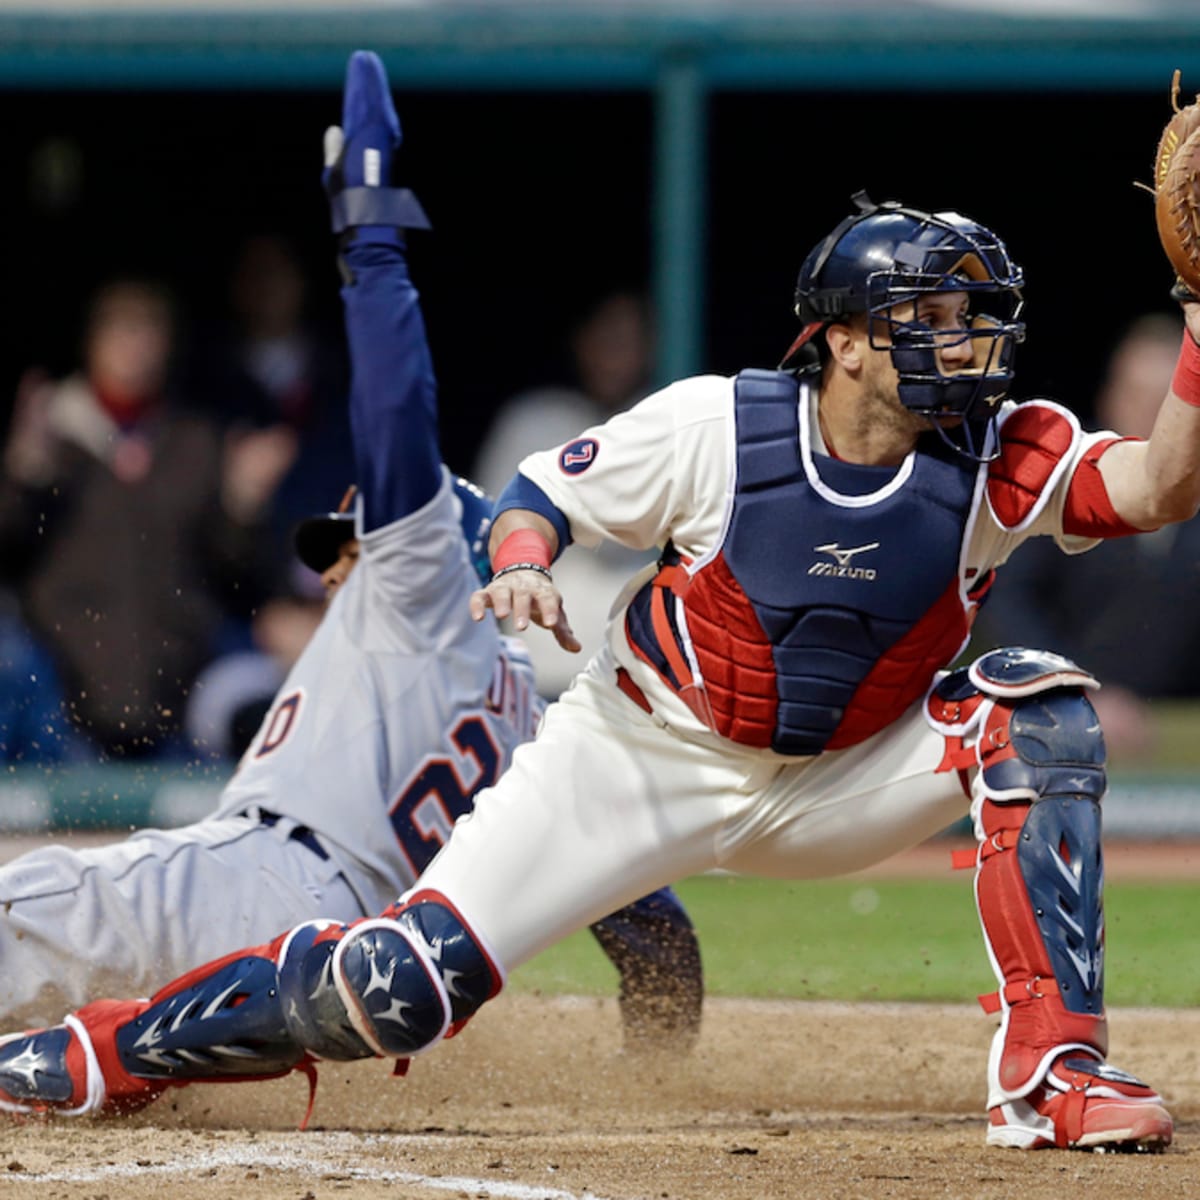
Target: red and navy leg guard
(220,1021)
(1024,721)
(391,986)
(1039,894)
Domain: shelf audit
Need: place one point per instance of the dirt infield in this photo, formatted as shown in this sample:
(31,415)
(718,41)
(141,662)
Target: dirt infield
(535,1101)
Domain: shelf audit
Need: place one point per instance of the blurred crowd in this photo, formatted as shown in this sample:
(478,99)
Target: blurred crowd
(150,600)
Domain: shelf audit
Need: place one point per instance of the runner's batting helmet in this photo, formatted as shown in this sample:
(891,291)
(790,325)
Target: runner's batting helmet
(319,539)
(477,524)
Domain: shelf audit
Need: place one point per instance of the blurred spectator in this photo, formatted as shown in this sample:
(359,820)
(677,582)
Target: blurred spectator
(129,531)
(270,367)
(34,726)
(611,355)
(1104,609)
(611,359)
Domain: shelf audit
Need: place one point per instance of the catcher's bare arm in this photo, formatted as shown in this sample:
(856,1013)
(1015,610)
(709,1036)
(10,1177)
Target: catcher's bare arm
(1157,482)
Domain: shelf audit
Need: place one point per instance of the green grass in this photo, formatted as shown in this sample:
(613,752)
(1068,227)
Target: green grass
(888,939)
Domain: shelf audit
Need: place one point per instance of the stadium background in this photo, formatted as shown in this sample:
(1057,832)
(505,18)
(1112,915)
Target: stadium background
(561,148)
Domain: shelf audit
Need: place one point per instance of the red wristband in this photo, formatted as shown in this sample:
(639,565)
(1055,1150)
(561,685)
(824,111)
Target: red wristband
(526,546)
(1186,383)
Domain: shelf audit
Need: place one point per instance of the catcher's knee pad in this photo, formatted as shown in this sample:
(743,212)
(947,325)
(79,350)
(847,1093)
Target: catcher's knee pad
(1023,719)
(392,986)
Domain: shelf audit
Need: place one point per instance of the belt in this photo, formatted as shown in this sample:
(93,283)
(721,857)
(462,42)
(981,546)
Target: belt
(301,834)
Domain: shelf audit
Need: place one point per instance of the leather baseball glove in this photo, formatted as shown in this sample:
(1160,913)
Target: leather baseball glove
(1177,193)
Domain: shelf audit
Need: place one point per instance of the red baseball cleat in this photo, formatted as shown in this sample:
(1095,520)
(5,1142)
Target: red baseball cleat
(1083,1103)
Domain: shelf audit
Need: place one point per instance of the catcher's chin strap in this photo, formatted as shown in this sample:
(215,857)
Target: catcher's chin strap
(1022,721)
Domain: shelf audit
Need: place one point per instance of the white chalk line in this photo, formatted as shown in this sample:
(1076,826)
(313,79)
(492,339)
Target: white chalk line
(251,1160)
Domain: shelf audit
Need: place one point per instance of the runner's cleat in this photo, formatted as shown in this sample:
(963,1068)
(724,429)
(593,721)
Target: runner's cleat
(360,157)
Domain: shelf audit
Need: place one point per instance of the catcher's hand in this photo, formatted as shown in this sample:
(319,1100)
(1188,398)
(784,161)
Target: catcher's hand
(526,596)
(1177,194)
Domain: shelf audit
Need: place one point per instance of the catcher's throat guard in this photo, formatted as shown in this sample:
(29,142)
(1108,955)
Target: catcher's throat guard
(880,262)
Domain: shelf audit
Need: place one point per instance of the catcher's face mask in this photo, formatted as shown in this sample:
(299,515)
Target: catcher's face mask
(881,262)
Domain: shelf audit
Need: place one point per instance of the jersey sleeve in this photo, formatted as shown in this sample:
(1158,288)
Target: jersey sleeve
(639,477)
(393,390)
(411,587)
(1088,511)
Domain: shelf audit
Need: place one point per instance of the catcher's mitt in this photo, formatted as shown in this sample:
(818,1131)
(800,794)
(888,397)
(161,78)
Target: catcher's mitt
(1177,193)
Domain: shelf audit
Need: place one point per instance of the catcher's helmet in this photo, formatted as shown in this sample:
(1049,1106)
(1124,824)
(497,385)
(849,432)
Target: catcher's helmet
(879,261)
(319,539)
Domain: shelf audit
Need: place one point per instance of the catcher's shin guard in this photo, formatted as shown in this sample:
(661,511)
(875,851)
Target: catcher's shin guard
(1023,718)
(390,986)
(222,1021)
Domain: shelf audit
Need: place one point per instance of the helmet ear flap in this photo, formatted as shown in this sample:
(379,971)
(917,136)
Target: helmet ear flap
(804,353)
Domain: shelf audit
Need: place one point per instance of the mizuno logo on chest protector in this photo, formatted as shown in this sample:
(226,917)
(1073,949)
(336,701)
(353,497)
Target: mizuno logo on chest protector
(841,567)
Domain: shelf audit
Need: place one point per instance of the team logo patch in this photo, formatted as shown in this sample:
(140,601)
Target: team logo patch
(578,455)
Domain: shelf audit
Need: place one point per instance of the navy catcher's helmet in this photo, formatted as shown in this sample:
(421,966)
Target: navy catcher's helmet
(477,524)
(319,539)
(878,261)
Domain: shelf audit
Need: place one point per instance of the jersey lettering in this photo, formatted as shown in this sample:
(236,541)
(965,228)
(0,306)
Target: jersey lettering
(280,722)
(513,697)
(443,789)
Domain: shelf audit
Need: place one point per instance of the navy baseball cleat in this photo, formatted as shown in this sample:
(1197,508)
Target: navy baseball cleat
(369,125)
(1083,1104)
(72,1069)
(360,155)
